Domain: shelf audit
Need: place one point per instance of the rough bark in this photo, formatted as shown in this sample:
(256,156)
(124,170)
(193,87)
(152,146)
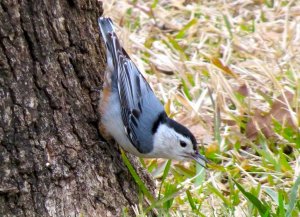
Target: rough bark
(53,161)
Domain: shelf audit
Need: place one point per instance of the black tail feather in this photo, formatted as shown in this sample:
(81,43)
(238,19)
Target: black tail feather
(106,28)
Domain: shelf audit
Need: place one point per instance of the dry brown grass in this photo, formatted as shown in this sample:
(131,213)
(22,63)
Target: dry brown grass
(237,67)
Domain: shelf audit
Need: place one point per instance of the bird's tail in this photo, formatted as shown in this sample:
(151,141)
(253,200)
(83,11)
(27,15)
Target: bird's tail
(112,44)
(106,28)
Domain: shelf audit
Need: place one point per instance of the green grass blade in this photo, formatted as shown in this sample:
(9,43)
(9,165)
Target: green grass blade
(227,24)
(136,177)
(163,200)
(217,118)
(165,174)
(170,188)
(262,209)
(154,4)
(294,196)
(182,32)
(281,209)
(177,47)
(219,194)
(201,172)
(273,194)
(186,89)
(190,199)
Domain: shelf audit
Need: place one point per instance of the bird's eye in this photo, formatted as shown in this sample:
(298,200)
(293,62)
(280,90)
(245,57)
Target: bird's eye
(183,144)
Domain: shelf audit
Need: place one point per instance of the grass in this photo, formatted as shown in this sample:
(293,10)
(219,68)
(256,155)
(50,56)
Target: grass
(229,70)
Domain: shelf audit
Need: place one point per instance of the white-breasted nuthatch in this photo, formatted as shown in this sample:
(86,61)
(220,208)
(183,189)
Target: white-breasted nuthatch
(132,114)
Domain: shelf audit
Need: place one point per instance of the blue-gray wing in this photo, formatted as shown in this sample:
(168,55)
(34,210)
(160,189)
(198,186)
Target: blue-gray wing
(140,107)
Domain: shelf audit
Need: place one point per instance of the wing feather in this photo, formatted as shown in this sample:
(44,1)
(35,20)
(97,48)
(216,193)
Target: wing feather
(139,106)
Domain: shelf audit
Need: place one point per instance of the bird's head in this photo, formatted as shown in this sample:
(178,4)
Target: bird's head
(174,141)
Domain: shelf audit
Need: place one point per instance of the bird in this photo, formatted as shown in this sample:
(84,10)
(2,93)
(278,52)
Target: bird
(131,113)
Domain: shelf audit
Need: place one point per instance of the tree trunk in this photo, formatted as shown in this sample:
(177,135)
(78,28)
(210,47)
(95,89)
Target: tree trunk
(53,161)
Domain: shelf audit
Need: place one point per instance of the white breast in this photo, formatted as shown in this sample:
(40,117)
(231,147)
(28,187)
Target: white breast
(112,121)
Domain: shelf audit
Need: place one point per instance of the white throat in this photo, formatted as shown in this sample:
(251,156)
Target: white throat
(165,143)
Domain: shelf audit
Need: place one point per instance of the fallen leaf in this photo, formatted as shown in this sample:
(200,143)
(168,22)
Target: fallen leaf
(243,90)
(217,62)
(261,122)
(280,110)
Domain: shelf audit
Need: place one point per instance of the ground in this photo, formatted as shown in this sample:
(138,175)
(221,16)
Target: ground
(229,70)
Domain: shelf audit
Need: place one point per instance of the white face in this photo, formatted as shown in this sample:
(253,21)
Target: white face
(172,145)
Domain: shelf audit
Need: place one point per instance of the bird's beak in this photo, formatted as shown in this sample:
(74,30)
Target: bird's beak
(200,159)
